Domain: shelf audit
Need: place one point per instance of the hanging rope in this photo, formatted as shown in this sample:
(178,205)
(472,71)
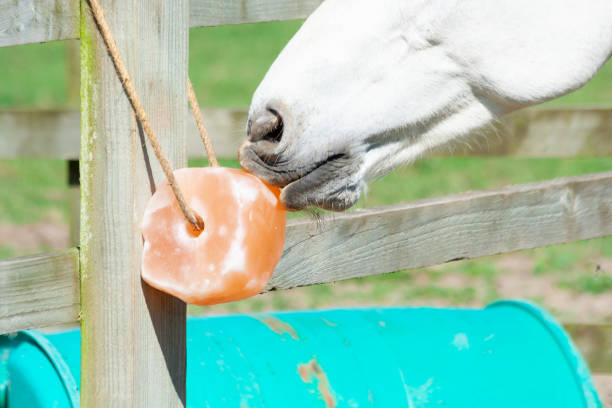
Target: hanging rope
(142,117)
(197,115)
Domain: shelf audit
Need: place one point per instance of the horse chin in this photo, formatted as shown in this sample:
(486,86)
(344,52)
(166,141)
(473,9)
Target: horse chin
(294,199)
(331,184)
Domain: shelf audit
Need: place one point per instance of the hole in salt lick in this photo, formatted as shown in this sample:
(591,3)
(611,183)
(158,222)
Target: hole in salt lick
(192,230)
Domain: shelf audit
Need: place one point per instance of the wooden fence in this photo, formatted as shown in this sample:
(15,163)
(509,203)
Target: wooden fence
(133,348)
(535,132)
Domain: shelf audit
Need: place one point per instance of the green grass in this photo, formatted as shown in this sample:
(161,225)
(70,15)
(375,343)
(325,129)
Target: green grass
(226,63)
(6,252)
(32,190)
(598,92)
(33,75)
(456,296)
(589,284)
(574,258)
(440,176)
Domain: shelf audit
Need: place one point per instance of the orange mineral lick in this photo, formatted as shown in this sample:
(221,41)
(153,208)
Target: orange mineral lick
(234,255)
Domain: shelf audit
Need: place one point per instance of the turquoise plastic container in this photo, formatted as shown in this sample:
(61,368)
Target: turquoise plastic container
(509,354)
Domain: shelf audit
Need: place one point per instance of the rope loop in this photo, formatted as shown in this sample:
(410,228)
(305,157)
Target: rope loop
(126,82)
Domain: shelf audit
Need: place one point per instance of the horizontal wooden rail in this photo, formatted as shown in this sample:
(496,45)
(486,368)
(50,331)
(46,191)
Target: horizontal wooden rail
(434,231)
(43,290)
(39,134)
(56,133)
(33,21)
(536,132)
(543,132)
(214,12)
(38,291)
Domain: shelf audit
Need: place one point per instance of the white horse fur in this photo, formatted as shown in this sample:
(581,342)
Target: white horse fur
(368,85)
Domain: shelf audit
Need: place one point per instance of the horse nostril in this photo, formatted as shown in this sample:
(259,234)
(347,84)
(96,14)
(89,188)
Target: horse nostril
(267,125)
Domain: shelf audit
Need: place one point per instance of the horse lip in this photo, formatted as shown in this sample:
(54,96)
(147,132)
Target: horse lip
(253,163)
(277,175)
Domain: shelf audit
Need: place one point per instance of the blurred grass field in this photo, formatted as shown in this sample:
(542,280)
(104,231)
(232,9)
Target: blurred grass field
(226,64)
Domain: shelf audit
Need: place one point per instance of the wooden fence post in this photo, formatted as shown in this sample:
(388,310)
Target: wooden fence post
(133,337)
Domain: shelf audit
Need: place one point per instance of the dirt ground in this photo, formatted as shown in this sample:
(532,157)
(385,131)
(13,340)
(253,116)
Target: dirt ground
(603,383)
(30,238)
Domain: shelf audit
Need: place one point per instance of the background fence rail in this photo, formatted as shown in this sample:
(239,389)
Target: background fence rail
(25,22)
(213,12)
(434,231)
(536,132)
(35,21)
(38,291)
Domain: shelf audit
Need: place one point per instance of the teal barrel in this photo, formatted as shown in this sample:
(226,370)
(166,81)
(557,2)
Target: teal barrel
(509,354)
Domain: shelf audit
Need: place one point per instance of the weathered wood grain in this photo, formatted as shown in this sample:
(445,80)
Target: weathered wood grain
(213,12)
(38,291)
(535,132)
(429,232)
(422,233)
(32,21)
(133,337)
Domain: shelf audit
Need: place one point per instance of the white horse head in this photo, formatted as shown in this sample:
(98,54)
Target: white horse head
(366,86)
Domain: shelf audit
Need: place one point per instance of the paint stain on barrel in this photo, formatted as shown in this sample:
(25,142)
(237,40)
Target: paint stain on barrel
(312,372)
(277,325)
(327,322)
